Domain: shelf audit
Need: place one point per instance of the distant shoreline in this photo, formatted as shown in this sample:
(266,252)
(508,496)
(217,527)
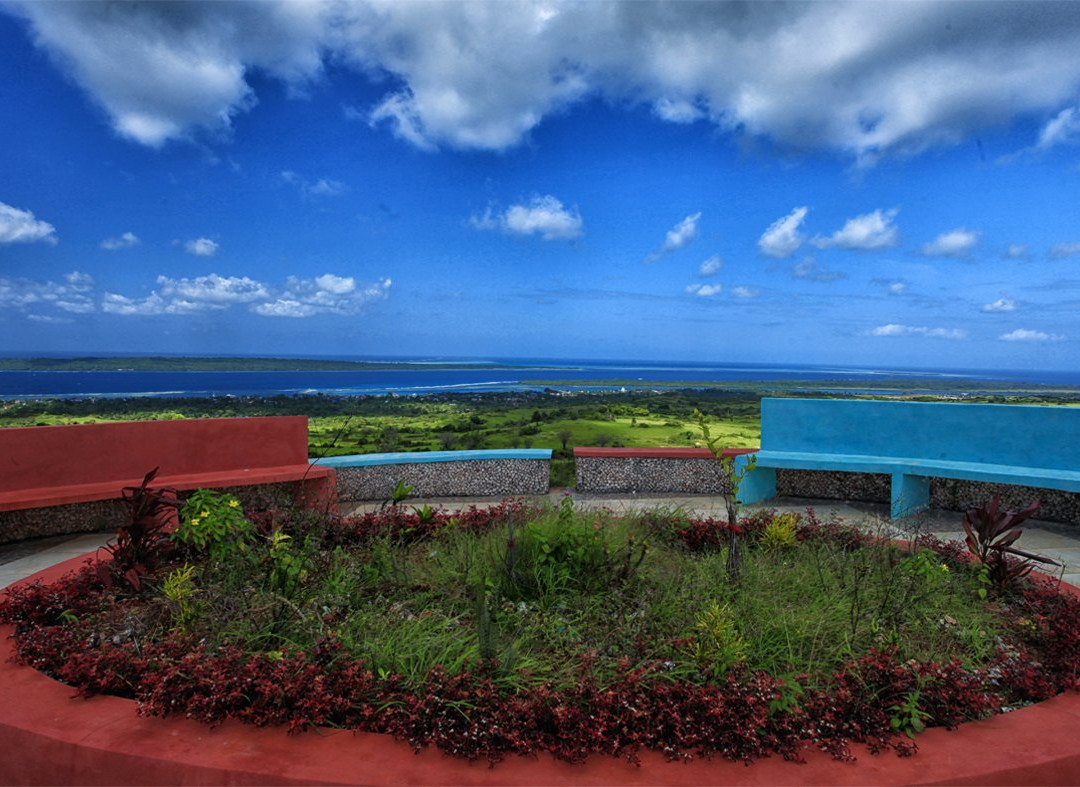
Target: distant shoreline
(160,363)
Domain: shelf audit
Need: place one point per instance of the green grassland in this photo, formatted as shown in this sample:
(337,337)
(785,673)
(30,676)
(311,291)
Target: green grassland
(350,425)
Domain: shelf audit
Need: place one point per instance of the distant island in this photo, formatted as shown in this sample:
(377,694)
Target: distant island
(161,363)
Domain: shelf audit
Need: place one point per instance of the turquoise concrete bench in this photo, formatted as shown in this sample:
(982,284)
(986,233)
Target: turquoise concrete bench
(515,471)
(1025,445)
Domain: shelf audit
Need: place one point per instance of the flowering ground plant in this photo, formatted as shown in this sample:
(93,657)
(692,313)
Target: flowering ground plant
(454,630)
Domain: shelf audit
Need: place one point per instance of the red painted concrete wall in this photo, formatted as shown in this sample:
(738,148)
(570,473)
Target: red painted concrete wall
(47,736)
(43,456)
(657,453)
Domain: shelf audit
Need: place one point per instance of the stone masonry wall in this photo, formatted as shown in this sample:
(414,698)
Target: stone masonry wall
(473,477)
(945,493)
(638,475)
(103,515)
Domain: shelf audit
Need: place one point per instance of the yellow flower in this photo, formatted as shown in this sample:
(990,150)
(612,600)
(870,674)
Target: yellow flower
(944,568)
(195,522)
(205,513)
(234,504)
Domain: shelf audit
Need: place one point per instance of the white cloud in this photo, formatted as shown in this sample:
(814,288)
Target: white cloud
(50,319)
(870,231)
(1016,251)
(897,287)
(213,289)
(544,216)
(73,295)
(114,303)
(323,187)
(704,290)
(326,294)
(710,266)
(1025,335)
(1064,128)
(677,110)
(1000,305)
(1062,250)
(866,79)
(126,241)
(745,292)
(201,247)
(338,285)
(677,237)
(782,238)
(893,329)
(20,226)
(955,243)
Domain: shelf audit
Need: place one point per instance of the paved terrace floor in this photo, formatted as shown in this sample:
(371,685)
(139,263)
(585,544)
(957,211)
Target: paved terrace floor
(1058,541)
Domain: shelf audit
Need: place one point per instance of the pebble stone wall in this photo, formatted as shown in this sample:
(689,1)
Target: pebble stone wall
(638,475)
(471,477)
(103,515)
(947,494)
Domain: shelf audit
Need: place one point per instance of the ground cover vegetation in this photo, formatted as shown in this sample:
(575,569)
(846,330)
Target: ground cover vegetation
(488,632)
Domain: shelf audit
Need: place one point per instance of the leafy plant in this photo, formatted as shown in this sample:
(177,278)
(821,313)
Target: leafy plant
(141,544)
(717,643)
(214,521)
(400,493)
(990,535)
(179,590)
(907,716)
(287,569)
(730,479)
(780,532)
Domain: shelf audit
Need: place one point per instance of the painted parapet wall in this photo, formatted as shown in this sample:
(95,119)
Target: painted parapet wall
(690,471)
(442,473)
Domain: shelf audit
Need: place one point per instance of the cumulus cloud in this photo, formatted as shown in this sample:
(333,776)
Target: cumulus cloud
(871,231)
(745,292)
(704,290)
(544,216)
(298,297)
(201,247)
(867,79)
(323,187)
(894,329)
(897,287)
(213,289)
(73,295)
(1000,305)
(126,241)
(326,294)
(1064,128)
(782,238)
(1016,251)
(710,266)
(20,226)
(955,243)
(1025,335)
(677,237)
(1062,250)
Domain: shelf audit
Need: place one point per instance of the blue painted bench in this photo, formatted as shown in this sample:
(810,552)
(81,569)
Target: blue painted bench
(488,473)
(1025,445)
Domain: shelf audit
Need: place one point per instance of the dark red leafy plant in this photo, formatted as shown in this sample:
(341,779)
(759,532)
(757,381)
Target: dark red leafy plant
(990,535)
(141,544)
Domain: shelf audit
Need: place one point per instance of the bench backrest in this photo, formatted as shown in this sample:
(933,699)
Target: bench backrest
(1021,435)
(40,456)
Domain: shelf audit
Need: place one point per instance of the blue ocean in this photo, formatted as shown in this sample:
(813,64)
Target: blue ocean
(422,377)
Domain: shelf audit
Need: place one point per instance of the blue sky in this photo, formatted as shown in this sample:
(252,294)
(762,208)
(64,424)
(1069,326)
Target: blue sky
(841,183)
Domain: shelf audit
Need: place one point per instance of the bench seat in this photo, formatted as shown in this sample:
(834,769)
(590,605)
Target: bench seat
(44,497)
(1016,445)
(1043,477)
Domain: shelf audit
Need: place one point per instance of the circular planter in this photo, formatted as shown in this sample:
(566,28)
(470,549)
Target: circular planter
(48,737)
